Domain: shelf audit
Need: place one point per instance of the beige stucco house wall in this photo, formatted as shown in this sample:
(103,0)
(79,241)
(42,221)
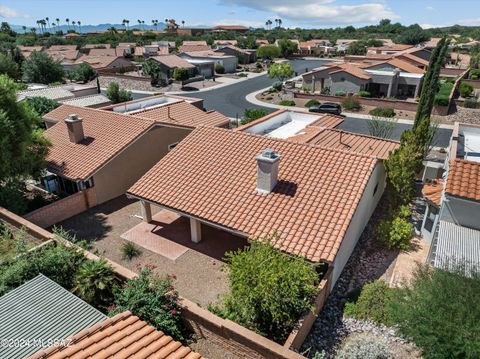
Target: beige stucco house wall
(121,172)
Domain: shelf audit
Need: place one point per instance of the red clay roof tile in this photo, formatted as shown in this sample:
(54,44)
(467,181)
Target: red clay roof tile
(464,179)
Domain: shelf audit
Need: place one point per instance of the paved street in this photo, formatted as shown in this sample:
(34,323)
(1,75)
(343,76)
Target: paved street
(230,100)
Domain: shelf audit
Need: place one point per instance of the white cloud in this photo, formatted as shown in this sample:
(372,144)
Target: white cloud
(8,12)
(429,8)
(243,22)
(320,11)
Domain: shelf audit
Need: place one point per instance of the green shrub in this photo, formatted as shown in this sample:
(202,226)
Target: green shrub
(116,94)
(287,103)
(130,250)
(372,304)
(154,300)
(439,311)
(351,103)
(396,233)
(364,346)
(441,100)
(340,93)
(383,112)
(269,290)
(465,89)
(325,90)
(42,105)
(57,262)
(83,73)
(364,94)
(277,85)
(251,114)
(474,74)
(470,103)
(311,103)
(180,74)
(41,68)
(242,74)
(219,69)
(306,88)
(95,283)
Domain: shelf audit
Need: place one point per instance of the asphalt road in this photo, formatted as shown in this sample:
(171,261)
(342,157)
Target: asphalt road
(230,100)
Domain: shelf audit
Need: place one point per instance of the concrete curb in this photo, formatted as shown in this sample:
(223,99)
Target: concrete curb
(251,97)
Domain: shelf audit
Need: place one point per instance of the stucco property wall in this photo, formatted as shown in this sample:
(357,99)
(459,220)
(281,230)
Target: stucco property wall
(362,215)
(351,84)
(125,169)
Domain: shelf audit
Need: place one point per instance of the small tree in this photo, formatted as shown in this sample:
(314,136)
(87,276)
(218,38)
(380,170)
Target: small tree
(351,103)
(287,47)
(42,105)
(151,68)
(83,73)
(116,94)
(268,289)
(41,68)
(219,69)
(268,52)
(466,89)
(251,114)
(9,67)
(381,126)
(439,311)
(280,71)
(180,74)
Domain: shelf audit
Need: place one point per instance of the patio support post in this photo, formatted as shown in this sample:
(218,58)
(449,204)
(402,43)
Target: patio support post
(146,211)
(195,230)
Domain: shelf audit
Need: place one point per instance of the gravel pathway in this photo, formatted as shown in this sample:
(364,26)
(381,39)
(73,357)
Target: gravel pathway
(369,261)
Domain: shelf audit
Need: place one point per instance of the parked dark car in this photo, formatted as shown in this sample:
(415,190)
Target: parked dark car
(327,107)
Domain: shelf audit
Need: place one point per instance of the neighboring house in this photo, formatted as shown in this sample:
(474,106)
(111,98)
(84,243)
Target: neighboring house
(26,51)
(260,42)
(66,58)
(195,43)
(107,150)
(451,221)
(210,57)
(393,49)
(225,42)
(392,78)
(118,51)
(342,45)
(42,310)
(78,95)
(244,56)
(168,63)
(121,336)
(315,47)
(315,201)
(62,47)
(107,63)
(227,28)
(96,46)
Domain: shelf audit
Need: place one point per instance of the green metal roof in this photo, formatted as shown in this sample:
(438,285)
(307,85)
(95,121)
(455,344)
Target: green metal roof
(41,310)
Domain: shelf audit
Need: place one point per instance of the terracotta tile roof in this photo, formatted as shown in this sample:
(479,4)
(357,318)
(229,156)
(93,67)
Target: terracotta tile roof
(261,42)
(464,179)
(183,114)
(230,27)
(99,62)
(122,336)
(106,134)
(353,70)
(193,48)
(104,52)
(62,47)
(62,55)
(394,47)
(414,58)
(173,61)
(432,191)
(405,66)
(353,142)
(226,42)
(195,43)
(211,175)
(208,53)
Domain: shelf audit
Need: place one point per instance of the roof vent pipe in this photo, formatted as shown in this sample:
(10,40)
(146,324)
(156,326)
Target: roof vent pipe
(75,128)
(267,170)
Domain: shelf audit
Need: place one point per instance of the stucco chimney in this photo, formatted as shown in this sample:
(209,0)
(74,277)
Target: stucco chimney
(75,128)
(267,170)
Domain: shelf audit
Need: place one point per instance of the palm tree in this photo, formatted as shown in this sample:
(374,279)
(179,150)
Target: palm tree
(128,23)
(139,23)
(33,30)
(269,24)
(58,23)
(24,28)
(38,24)
(48,22)
(279,23)
(112,30)
(79,26)
(67,20)
(124,23)
(73,25)
(183,23)
(143,25)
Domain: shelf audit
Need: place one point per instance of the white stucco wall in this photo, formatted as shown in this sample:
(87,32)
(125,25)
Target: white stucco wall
(362,215)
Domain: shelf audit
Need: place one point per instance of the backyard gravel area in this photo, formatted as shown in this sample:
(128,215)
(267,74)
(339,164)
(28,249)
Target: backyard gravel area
(465,115)
(200,278)
(369,261)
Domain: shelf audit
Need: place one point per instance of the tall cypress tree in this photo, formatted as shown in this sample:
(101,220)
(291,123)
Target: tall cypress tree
(429,85)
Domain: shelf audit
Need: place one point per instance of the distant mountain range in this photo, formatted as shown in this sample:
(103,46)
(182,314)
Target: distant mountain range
(93,28)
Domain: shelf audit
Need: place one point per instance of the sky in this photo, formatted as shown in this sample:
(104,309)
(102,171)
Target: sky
(294,13)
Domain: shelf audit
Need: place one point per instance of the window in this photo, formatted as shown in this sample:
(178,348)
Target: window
(375,189)
(172,146)
(342,79)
